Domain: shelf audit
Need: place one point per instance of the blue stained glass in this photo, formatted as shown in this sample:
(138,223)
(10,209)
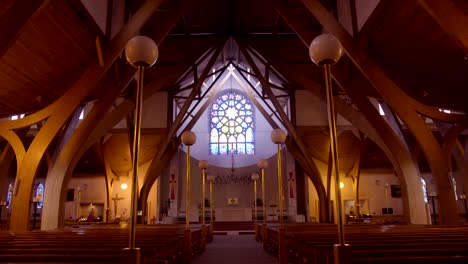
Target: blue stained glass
(223,149)
(232,129)
(214,149)
(250,148)
(9,195)
(214,135)
(40,194)
(241,148)
(249,135)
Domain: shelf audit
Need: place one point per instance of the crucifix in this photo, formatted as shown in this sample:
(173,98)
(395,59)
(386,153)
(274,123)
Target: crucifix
(116,199)
(291,185)
(172,183)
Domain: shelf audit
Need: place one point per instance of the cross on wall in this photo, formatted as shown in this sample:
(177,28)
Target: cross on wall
(116,199)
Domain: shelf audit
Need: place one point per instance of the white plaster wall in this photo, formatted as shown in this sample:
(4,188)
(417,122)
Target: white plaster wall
(264,148)
(374,187)
(93,191)
(364,9)
(312,111)
(98,10)
(344,15)
(154,112)
(221,192)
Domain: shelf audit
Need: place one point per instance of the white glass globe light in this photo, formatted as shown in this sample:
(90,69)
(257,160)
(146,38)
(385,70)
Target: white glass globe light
(188,138)
(141,51)
(203,164)
(210,177)
(324,49)
(278,136)
(262,164)
(255,176)
(124,186)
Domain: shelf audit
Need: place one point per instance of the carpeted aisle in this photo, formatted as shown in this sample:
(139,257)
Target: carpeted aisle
(234,249)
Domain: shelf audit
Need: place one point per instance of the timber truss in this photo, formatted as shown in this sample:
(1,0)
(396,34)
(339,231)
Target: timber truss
(197,87)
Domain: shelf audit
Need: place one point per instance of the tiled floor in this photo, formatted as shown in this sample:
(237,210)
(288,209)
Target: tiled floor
(226,249)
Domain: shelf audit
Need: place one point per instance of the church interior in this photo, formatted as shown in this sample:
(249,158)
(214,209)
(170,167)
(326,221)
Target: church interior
(184,131)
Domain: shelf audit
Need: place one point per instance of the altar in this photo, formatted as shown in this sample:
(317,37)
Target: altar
(233,213)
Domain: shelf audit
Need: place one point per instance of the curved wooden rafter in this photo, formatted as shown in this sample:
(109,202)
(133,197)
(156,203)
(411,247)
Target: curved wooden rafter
(16,144)
(64,108)
(308,163)
(409,114)
(168,146)
(451,140)
(368,120)
(62,168)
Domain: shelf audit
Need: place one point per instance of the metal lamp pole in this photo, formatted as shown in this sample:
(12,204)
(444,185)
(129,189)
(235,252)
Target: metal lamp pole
(325,50)
(203,165)
(263,164)
(141,52)
(210,178)
(255,177)
(278,137)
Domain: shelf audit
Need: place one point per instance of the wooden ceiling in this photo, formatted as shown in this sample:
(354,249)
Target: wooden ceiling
(47,46)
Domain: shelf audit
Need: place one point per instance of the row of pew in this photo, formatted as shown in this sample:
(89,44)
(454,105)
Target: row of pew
(161,244)
(313,243)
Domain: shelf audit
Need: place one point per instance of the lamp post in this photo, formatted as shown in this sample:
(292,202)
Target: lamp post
(278,137)
(203,165)
(262,165)
(432,196)
(255,177)
(210,178)
(188,139)
(325,50)
(35,201)
(141,52)
(463,197)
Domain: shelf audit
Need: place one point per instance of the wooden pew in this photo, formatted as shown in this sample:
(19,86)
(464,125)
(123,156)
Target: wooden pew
(159,244)
(312,243)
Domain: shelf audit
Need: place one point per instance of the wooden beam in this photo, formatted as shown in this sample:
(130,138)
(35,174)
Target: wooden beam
(109,19)
(409,114)
(310,165)
(367,120)
(371,70)
(171,139)
(394,123)
(195,91)
(14,20)
(284,118)
(450,18)
(64,108)
(207,103)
